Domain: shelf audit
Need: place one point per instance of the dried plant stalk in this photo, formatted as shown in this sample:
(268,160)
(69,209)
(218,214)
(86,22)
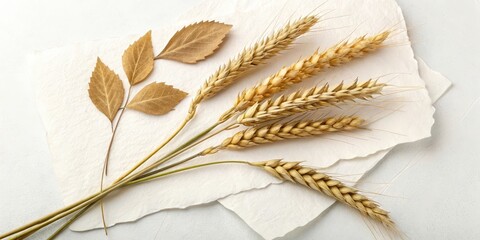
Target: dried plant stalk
(280,131)
(311,178)
(305,68)
(251,57)
(307,100)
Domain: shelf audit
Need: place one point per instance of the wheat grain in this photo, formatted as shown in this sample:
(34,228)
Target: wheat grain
(281,131)
(337,55)
(251,57)
(311,178)
(311,99)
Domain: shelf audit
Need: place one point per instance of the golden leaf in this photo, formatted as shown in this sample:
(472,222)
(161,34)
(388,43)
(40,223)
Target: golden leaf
(195,42)
(106,90)
(138,59)
(157,99)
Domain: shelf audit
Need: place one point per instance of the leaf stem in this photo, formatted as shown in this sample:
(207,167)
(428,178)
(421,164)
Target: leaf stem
(107,157)
(114,131)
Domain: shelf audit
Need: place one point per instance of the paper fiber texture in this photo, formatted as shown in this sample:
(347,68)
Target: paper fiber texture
(78,134)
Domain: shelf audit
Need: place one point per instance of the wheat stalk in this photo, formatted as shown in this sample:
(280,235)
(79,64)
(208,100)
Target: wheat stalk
(337,55)
(280,131)
(251,57)
(294,172)
(307,100)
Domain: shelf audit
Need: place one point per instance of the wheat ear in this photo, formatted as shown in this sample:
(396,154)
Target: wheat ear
(251,57)
(311,178)
(307,100)
(305,68)
(281,131)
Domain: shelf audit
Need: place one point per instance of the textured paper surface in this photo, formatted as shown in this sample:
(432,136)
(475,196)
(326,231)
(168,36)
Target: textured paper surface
(78,134)
(436,83)
(265,210)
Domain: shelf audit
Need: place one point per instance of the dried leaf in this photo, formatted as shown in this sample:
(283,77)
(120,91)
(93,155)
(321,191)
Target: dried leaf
(157,99)
(106,90)
(138,59)
(195,42)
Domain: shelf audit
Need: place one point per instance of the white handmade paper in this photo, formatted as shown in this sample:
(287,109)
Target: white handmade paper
(435,82)
(78,134)
(265,210)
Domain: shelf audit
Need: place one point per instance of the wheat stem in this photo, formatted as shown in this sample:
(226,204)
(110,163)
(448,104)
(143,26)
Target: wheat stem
(162,174)
(192,140)
(69,222)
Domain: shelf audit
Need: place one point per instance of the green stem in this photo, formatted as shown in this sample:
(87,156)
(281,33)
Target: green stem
(52,217)
(170,166)
(138,181)
(186,147)
(198,136)
(162,174)
(69,222)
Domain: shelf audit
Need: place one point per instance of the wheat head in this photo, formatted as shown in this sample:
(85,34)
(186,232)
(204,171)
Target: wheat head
(251,57)
(311,178)
(281,131)
(337,55)
(308,100)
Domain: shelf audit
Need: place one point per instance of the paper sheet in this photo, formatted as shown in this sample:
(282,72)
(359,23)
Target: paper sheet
(78,134)
(264,209)
(436,83)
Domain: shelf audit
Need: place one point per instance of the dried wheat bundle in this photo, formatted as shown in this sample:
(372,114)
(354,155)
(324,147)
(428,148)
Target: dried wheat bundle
(251,57)
(280,131)
(305,68)
(138,59)
(307,100)
(311,178)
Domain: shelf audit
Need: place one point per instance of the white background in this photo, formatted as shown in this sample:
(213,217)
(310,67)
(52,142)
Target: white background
(434,184)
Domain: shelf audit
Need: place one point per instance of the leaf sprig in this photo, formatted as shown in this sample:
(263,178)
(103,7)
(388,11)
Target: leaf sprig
(189,45)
